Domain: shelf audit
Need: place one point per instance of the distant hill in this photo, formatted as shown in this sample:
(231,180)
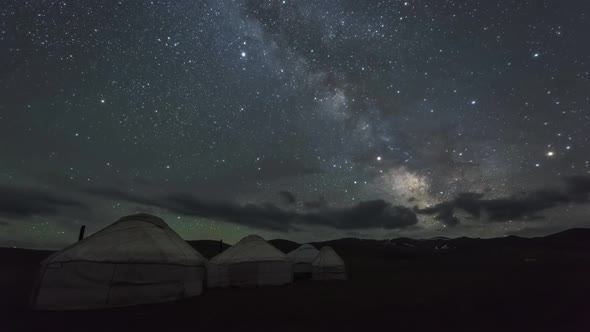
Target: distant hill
(443,238)
(571,238)
(575,241)
(407,248)
(572,234)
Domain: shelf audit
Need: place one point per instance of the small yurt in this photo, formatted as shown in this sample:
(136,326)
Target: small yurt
(302,259)
(250,262)
(328,266)
(138,259)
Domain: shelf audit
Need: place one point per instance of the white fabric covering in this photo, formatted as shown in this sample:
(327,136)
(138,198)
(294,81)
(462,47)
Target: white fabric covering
(302,258)
(138,259)
(328,265)
(250,262)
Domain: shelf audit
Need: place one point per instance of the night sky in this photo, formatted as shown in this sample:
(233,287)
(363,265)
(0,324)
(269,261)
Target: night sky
(305,120)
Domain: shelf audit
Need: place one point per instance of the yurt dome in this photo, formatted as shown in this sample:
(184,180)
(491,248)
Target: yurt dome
(250,262)
(302,258)
(137,259)
(328,265)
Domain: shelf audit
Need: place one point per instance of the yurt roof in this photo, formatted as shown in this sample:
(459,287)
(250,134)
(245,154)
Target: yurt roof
(252,248)
(304,254)
(139,238)
(328,257)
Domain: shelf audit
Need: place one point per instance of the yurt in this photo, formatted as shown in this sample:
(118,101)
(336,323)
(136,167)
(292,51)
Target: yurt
(138,259)
(250,262)
(328,266)
(302,258)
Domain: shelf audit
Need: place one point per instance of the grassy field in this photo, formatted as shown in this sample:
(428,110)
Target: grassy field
(474,290)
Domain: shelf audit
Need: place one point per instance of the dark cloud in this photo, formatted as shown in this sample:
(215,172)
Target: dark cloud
(319,203)
(443,212)
(22,203)
(523,206)
(578,187)
(265,216)
(368,214)
(287,197)
(365,215)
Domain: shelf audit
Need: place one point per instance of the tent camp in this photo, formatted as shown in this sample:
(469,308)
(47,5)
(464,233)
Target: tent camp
(138,259)
(328,266)
(250,262)
(302,258)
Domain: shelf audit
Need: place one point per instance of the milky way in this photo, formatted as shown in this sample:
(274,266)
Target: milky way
(295,119)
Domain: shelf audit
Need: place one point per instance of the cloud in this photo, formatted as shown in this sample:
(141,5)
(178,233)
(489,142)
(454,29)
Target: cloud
(266,216)
(365,215)
(443,212)
(287,197)
(22,203)
(523,206)
(578,188)
(319,203)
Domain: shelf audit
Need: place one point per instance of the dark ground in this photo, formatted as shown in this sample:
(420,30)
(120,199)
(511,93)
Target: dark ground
(508,284)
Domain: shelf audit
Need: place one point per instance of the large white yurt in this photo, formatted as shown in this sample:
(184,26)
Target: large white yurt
(138,259)
(302,258)
(250,262)
(328,265)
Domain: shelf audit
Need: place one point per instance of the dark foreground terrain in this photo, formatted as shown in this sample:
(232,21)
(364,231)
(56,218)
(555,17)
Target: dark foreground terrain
(506,284)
